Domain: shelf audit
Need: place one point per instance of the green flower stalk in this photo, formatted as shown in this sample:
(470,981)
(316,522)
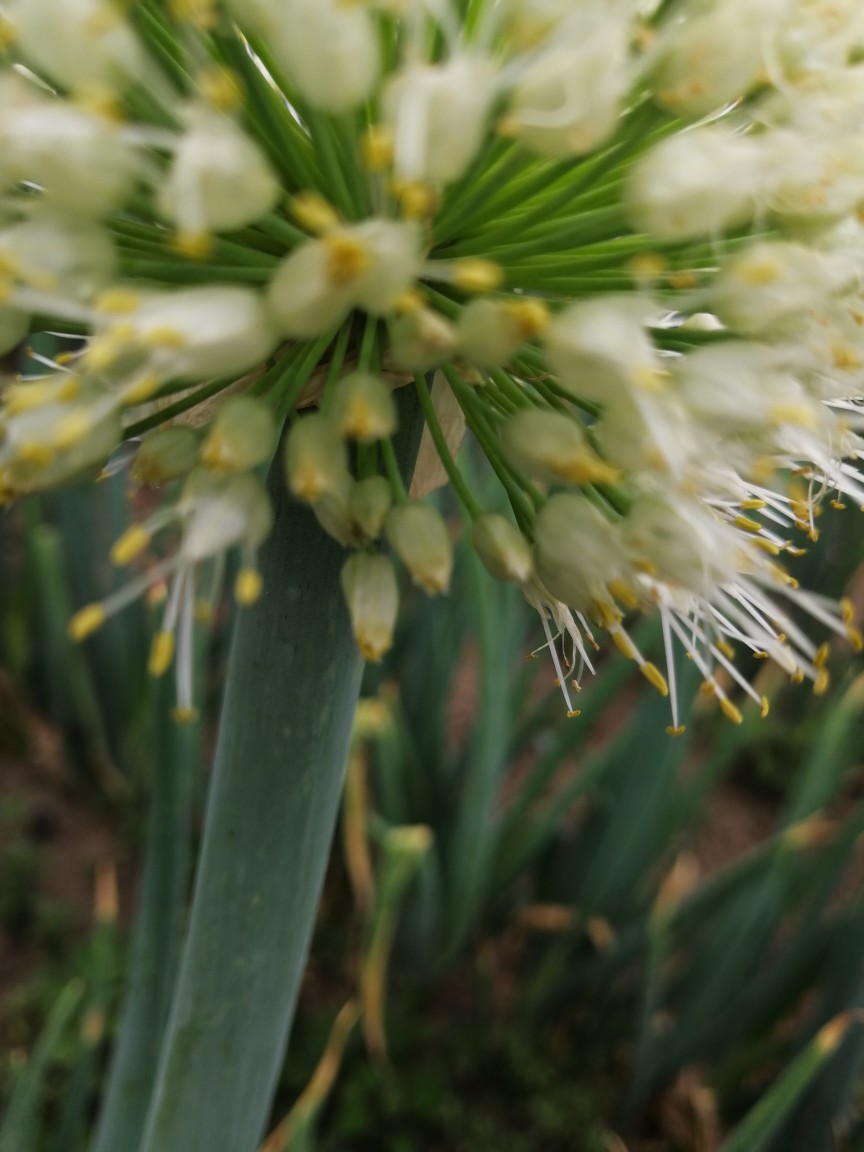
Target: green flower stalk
(626,232)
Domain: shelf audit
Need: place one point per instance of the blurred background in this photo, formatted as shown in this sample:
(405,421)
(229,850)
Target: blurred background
(537,932)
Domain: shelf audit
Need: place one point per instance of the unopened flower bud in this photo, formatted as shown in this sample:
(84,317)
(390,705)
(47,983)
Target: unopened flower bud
(552,447)
(362,407)
(219,179)
(304,297)
(333,513)
(419,537)
(372,594)
(577,551)
(421,340)
(438,113)
(505,552)
(393,249)
(490,332)
(166,454)
(316,461)
(696,183)
(369,504)
(221,511)
(242,436)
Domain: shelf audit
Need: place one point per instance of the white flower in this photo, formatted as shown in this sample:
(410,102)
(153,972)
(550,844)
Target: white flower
(80,44)
(189,334)
(600,348)
(219,179)
(696,183)
(709,55)
(567,97)
(80,160)
(328,49)
(438,114)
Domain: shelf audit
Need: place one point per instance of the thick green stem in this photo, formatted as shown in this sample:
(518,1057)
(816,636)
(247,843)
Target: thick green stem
(293,682)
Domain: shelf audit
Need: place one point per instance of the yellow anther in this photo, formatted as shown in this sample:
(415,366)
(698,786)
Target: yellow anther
(838,505)
(797,677)
(193,245)
(673,731)
(683,280)
(477,275)
(531,316)
(793,551)
(185,715)
(313,213)
(583,467)
(650,379)
(726,648)
(820,684)
(7,34)
(409,302)
(767,545)
(131,544)
(71,430)
(347,258)
(201,13)
(798,415)
(647,266)
(221,88)
(376,147)
(247,587)
(759,272)
(86,621)
(655,677)
(623,593)
(624,644)
(118,302)
(747,524)
(847,609)
(821,657)
(142,389)
(752,505)
(164,336)
(35,452)
(63,358)
(730,711)
(416,200)
(573,713)
(607,614)
(707,688)
(765,708)
(854,637)
(161,654)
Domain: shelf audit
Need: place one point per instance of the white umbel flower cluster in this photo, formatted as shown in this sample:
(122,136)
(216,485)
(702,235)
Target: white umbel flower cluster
(625,237)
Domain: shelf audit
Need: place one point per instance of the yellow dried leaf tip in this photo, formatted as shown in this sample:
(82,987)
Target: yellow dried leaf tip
(248,585)
(161,654)
(86,621)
